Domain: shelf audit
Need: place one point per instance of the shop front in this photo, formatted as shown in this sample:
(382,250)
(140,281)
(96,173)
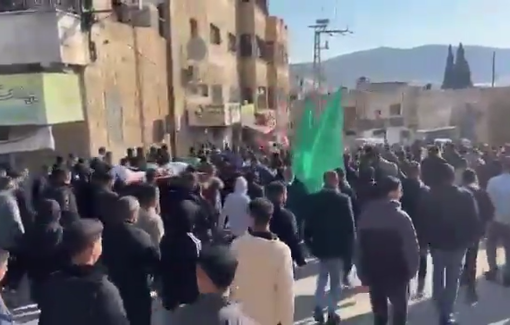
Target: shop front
(213,124)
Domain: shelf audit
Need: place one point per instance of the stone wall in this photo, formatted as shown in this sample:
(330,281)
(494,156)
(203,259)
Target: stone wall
(126,88)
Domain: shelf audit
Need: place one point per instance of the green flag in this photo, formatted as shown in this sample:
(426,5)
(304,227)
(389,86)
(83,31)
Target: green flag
(327,149)
(303,141)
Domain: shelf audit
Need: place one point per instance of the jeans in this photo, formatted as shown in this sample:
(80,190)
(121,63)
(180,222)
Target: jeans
(398,296)
(469,273)
(447,266)
(332,269)
(498,233)
(422,269)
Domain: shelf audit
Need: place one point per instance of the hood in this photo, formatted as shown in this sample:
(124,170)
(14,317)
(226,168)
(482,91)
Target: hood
(263,234)
(241,186)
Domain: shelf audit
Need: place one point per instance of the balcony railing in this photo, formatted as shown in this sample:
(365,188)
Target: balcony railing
(43,5)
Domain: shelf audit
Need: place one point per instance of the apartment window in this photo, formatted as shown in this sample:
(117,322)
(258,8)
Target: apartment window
(246,45)
(161,20)
(215,36)
(234,96)
(284,56)
(4,133)
(395,110)
(193,27)
(272,98)
(262,97)
(247,95)
(261,48)
(270,50)
(232,43)
(217,94)
(203,90)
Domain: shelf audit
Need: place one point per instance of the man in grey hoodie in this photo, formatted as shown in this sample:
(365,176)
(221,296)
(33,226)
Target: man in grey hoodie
(388,252)
(5,315)
(11,225)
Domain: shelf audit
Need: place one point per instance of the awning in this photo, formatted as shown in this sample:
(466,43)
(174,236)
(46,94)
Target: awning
(23,140)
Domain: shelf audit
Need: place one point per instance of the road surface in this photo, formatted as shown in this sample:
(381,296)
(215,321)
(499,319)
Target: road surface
(492,309)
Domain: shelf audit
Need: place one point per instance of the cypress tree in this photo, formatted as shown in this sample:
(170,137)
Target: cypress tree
(461,70)
(448,78)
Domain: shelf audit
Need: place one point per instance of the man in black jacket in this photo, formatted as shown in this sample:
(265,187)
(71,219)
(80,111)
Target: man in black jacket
(132,259)
(296,197)
(283,223)
(81,294)
(346,189)
(330,234)
(62,192)
(486,210)
(430,165)
(388,253)
(413,191)
(103,198)
(451,224)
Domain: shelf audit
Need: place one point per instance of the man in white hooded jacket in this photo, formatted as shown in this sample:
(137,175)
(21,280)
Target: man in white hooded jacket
(236,209)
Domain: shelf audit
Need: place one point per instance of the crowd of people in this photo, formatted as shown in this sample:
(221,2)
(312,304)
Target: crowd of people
(219,240)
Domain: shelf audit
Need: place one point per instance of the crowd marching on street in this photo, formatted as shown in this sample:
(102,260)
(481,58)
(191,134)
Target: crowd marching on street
(217,238)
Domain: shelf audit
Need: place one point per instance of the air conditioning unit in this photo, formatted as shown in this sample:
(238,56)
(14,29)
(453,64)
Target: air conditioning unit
(137,15)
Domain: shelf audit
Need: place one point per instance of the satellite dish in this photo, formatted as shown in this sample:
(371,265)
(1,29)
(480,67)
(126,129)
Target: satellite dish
(197,49)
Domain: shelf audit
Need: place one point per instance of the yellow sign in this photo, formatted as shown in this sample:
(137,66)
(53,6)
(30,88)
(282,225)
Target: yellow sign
(213,115)
(40,99)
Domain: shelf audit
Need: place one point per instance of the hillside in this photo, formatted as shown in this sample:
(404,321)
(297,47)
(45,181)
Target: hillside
(421,65)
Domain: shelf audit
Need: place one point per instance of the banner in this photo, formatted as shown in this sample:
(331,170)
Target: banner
(40,99)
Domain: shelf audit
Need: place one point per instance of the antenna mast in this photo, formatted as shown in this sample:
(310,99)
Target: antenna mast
(320,28)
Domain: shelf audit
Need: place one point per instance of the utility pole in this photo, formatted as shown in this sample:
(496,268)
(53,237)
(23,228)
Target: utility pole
(321,28)
(493,83)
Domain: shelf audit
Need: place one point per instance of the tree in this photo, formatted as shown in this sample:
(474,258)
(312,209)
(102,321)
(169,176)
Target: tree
(448,78)
(461,69)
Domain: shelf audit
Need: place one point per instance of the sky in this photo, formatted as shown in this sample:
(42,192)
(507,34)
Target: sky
(394,23)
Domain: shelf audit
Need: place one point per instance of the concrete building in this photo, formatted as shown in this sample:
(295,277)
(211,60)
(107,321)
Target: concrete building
(224,53)
(479,114)
(74,80)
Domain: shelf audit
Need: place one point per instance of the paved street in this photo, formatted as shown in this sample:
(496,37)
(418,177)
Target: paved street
(493,308)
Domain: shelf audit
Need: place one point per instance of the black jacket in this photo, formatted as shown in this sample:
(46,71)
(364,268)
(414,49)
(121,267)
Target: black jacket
(64,195)
(329,225)
(131,259)
(296,200)
(103,204)
(179,255)
(413,191)
(429,169)
(255,190)
(449,217)
(81,295)
(283,224)
(485,206)
(349,191)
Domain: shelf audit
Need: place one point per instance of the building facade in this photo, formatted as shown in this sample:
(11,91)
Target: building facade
(229,53)
(80,78)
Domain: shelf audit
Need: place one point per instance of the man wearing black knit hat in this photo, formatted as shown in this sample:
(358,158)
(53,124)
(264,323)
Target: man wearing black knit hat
(216,268)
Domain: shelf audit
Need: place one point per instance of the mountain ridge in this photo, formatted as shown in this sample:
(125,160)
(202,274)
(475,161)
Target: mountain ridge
(421,65)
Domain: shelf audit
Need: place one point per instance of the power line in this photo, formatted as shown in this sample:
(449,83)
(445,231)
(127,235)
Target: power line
(320,28)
